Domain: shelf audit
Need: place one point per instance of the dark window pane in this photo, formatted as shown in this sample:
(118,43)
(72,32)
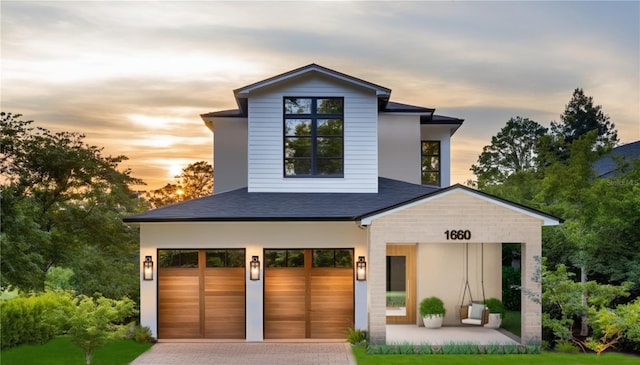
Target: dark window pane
(298,127)
(216,258)
(329,166)
(235,258)
(178,258)
(329,147)
(297,106)
(297,147)
(329,127)
(329,106)
(323,258)
(225,258)
(295,258)
(431,163)
(275,258)
(431,178)
(344,258)
(293,167)
(431,148)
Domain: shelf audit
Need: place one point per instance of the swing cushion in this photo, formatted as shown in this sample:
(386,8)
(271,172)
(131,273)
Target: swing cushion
(475,311)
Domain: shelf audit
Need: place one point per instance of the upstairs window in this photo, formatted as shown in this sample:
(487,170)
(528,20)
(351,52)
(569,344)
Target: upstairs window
(431,163)
(313,137)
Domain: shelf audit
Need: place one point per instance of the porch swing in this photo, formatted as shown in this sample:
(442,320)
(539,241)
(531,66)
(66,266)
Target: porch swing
(473,313)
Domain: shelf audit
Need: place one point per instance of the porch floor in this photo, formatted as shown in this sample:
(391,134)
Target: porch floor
(412,334)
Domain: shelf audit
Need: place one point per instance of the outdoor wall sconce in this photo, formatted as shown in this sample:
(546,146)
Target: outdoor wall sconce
(147,268)
(361,269)
(254,268)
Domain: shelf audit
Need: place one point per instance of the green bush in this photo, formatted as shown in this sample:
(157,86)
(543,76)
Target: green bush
(432,305)
(511,297)
(566,347)
(396,299)
(33,319)
(142,334)
(495,306)
(356,336)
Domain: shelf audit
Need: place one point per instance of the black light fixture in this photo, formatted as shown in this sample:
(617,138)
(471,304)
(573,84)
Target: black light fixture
(147,271)
(361,269)
(254,268)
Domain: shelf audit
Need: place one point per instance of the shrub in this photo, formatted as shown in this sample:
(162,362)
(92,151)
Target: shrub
(510,294)
(566,347)
(356,336)
(495,306)
(142,334)
(34,319)
(431,306)
(396,299)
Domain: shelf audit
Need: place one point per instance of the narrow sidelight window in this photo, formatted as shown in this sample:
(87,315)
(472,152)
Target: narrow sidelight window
(431,163)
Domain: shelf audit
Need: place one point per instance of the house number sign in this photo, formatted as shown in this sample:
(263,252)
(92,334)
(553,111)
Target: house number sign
(459,234)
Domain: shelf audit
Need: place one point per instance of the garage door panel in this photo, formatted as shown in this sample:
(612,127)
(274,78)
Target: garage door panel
(310,302)
(285,329)
(201,302)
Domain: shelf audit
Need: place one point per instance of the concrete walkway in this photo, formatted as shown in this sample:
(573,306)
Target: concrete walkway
(247,353)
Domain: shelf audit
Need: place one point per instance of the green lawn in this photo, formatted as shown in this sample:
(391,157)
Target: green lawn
(511,322)
(546,358)
(60,351)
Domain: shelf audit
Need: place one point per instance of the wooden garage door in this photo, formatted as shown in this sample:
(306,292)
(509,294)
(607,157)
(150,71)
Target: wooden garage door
(201,294)
(308,293)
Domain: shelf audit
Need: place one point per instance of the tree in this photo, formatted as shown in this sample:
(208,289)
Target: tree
(195,181)
(580,117)
(62,205)
(93,322)
(562,300)
(512,150)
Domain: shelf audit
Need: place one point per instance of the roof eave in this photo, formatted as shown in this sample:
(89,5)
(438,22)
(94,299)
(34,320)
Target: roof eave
(547,219)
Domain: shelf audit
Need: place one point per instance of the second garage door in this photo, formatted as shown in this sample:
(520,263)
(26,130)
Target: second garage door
(308,293)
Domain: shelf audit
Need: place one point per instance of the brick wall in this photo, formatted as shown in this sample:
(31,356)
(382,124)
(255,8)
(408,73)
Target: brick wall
(426,222)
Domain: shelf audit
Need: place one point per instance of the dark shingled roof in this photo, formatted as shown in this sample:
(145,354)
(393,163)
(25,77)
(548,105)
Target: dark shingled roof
(608,166)
(393,107)
(240,205)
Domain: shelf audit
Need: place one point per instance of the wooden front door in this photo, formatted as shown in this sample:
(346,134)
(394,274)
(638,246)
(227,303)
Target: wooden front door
(308,293)
(401,284)
(201,294)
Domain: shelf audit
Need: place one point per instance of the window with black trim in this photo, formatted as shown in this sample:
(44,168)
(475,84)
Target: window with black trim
(284,258)
(333,258)
(225,258)
(430,163)
(313,137)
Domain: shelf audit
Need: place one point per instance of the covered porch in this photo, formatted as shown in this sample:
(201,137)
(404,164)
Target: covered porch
(401,334)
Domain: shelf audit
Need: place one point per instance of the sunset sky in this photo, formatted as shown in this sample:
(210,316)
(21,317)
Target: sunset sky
(135,76)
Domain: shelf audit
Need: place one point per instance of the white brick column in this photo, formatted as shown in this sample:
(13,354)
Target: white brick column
(531,321)
(376,277)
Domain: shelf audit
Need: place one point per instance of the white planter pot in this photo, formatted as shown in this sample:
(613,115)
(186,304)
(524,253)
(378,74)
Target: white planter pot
(433,321)
(495,320)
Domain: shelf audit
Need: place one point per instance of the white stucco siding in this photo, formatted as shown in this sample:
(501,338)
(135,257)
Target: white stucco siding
(399,147)
(254,238)
(265,133)
(229,154)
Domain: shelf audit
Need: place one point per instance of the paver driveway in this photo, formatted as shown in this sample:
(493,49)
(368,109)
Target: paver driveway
(247,353)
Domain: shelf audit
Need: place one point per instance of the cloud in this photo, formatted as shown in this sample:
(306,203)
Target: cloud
(134,76)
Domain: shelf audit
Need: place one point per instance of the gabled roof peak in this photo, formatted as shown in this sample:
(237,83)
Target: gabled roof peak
(381,91)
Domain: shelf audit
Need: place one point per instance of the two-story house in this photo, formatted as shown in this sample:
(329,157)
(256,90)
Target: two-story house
(329,199)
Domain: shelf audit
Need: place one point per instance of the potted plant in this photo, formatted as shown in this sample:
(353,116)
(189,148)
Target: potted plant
(496,312)
(432,312)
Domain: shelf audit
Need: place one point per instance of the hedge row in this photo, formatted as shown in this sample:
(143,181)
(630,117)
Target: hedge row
(33,319)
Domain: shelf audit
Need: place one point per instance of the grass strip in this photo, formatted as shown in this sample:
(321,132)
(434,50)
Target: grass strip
(60,351)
